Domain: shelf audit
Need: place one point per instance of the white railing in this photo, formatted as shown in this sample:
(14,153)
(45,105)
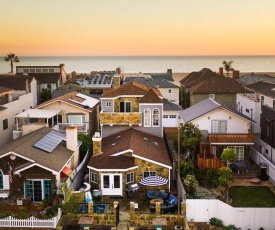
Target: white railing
(82,128)
(31,222)
(202,210)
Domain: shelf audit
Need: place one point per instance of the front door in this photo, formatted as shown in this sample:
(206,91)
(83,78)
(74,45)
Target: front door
(111,184)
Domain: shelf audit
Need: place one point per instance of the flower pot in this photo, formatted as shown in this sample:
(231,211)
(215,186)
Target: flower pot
(178,227)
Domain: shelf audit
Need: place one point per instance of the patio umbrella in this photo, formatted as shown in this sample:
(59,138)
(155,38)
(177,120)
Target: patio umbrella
(153,181)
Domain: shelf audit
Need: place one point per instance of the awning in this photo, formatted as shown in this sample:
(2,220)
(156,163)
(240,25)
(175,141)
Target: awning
(67,171)
(38,113)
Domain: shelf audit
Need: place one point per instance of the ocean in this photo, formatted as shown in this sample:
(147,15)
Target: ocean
(147,64)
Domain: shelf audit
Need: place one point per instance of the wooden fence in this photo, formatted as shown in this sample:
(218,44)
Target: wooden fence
(31,222)
(214,162)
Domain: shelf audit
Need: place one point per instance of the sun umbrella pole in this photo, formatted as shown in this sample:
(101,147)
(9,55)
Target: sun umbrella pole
(178,174)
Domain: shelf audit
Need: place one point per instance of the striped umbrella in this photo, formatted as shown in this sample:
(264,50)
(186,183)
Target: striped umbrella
(153,181)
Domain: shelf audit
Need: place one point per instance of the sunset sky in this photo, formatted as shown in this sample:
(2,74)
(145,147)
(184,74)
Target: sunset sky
(141,27)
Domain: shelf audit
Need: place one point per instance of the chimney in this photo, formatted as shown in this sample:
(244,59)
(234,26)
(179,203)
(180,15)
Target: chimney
(221,71)
(169,71)
(96,144)
(27,87)
(71,138)
(73,74)
(118,70)
(236,74)
(116,81)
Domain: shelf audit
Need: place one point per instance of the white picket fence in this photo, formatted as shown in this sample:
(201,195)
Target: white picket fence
(201,210)
(31,222)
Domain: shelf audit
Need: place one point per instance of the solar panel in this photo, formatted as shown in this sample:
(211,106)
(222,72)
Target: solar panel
(50,141)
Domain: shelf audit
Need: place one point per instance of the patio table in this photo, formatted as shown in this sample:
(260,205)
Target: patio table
(239,166)
(154,201)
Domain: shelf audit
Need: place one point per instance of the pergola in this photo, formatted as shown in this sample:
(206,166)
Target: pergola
(37,114)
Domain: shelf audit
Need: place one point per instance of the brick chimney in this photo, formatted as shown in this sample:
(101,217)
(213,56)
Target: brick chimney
(169,71)
(71,138)
(236,74)
(118,70)
(221,71)
(97,144)
(116,80)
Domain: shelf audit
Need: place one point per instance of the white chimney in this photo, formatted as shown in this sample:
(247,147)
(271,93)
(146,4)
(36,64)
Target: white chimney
(71,138)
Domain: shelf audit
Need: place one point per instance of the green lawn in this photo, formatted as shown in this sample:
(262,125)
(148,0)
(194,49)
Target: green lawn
(251,196)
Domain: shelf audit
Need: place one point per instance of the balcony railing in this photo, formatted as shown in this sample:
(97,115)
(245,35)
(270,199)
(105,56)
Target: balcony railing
(120,118)
(81,128)
(244,138)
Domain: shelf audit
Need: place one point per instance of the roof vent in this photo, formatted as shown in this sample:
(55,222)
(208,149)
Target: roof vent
(114,144)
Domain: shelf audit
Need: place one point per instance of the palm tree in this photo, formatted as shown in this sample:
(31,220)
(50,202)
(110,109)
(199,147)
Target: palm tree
(227,66)
(12,58)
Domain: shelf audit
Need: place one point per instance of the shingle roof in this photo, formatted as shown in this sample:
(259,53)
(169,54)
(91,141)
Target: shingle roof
(4,90)
(255,77)
(131,88)
(142,144)
(153,82)
(204,107)
(264,88)
(260,85)
(168,106)
(75,99)
(16,82)
(47,77)
(24,146)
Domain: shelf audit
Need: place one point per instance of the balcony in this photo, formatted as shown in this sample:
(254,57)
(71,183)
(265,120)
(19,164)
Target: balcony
(231,138)
(120,118)
(81,128)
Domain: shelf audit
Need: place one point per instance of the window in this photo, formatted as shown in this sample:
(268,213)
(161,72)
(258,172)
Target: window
(147,117)
(165,116)
(155,117)
(239,151)
(108,104)
(51,70)
(1,180)
(125,106)
(212,96)
(267,129)
(25,70)
(5,124)
(45,71)
(94,177)
(76,119)
(38,70)
(218,126)
(129,177)
(32,70)
(149,173)
(38,190)
(173,116)
(169,90)
(49,86)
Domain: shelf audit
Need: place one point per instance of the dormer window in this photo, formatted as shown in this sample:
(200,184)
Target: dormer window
(108,104)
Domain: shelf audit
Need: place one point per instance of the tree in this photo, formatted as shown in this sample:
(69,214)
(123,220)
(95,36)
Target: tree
(186,168)
(225,175)
(227,67)
(191,184)
(229,154)
(86,144)
(11,58)
(190,137)
(45,95)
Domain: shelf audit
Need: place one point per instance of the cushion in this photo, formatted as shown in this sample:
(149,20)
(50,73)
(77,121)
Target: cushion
(172,201)
(157,193)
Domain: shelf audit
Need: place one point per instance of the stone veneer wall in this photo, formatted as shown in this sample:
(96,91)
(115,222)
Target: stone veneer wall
(120,118)
(134,103)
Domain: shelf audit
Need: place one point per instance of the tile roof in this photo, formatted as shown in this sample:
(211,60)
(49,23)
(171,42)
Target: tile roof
(142,144)
(150,97)
(216,85)
(24,146)
(196,77)
(168,106)
(130,88)
(204,107)
(47,77)
(76,99)
(16,82)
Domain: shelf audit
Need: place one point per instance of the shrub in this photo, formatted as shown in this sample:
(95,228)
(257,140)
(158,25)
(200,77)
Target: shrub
(215,222)
(230,227)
